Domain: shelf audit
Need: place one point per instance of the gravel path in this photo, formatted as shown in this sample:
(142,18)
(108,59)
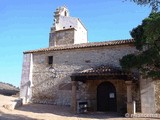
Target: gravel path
(52,112)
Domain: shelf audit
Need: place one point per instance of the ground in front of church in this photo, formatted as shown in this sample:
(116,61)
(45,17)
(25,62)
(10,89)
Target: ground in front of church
(53,112)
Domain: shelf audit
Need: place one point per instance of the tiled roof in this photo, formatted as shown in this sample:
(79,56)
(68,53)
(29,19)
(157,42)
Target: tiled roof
(102,70)
(83,45)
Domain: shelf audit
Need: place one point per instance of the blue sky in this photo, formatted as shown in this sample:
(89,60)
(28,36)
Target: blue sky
(25,25)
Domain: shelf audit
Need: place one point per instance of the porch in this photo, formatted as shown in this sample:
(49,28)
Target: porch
(104,89)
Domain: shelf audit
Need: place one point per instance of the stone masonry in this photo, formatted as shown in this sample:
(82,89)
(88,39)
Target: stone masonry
(46,81)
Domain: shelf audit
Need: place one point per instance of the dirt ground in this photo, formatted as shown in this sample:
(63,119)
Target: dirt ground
(52,112)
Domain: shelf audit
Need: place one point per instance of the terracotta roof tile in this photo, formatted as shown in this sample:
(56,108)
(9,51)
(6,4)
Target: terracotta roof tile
(83,45)
(102,70)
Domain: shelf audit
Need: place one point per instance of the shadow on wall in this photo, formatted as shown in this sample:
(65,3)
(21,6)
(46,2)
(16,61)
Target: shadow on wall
(14,117)
(49,94)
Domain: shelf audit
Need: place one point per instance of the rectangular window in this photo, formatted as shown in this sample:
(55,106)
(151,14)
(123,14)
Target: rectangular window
(50,60)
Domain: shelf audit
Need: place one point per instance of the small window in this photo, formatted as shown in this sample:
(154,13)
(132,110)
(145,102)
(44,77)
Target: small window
(65,13)
(50,60)
(87,61)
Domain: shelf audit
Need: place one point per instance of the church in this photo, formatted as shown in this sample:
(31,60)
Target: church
(83,75)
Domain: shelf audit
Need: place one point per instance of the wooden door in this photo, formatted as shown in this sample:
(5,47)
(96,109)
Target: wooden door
(106,97)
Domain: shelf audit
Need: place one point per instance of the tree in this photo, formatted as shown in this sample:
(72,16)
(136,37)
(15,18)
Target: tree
(147,42)
(155,4)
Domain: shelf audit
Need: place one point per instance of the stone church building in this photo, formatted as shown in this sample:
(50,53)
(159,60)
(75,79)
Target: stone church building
(73,72)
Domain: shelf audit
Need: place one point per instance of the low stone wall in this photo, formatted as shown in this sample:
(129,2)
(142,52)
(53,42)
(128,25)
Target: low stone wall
(13,105)
(157,95)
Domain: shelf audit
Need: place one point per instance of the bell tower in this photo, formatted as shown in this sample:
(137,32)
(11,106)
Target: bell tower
(66,29)
(61,11)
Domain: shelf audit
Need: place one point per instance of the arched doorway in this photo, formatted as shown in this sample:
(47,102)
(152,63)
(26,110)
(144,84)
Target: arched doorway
(106,97)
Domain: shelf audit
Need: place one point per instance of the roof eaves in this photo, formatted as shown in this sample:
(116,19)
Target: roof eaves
(66,29)
(83,45)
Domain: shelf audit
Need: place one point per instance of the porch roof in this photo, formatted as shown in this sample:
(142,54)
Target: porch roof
(102,72)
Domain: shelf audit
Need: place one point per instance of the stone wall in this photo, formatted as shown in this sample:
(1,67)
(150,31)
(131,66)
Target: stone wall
(157,95)
(64,37)
(52,84)
(147,92)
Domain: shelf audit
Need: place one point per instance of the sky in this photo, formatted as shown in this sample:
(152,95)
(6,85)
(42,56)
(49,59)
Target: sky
(25,25)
